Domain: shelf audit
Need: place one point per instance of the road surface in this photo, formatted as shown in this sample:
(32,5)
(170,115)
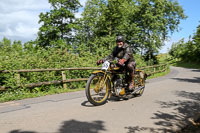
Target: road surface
(166,104)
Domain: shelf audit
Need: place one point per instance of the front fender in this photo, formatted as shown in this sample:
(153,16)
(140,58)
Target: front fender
(99,71)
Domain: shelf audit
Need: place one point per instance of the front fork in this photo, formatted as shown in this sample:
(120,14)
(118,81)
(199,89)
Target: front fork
(101,83)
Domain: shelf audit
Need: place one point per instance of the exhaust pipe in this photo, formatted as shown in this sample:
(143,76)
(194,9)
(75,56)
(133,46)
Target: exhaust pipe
(141,87)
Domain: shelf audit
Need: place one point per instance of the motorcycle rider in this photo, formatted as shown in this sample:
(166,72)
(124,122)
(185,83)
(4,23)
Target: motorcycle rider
(125,54)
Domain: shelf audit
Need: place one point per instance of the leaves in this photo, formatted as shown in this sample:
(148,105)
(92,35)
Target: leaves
(146,24)
(58,24)
(187,51)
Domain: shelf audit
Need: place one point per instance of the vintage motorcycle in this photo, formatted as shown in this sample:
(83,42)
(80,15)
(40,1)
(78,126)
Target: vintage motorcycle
(110,80)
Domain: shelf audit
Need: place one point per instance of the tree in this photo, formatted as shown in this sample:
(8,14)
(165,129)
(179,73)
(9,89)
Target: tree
(5,44)
(146,24)
(187,51)
(101,22)
(196,45)
(58,23)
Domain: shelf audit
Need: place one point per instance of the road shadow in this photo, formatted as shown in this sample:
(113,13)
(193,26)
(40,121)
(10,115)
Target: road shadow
(196,70)
(87,104)
(195,80)
(115,99)
(19,131)
(74,126)
(138,129)
(111,99)
(183,109)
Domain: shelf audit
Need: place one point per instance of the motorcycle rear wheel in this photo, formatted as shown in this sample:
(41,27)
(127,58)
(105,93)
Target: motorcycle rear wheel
(97,89)
(141,84)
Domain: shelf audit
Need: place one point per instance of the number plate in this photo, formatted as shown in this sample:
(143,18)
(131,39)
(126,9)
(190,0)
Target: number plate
(106,65)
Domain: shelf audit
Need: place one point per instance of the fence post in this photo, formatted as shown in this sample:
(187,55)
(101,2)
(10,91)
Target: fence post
(161,68)
(166,66)
(17,76)
(63,79)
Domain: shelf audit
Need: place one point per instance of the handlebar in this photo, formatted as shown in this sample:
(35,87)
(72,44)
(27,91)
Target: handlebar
(115,62)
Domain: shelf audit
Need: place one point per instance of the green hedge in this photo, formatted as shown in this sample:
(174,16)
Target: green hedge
(16,57)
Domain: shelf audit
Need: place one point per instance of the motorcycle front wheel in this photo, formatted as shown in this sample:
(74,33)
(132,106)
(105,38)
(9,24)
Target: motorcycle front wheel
(98,89)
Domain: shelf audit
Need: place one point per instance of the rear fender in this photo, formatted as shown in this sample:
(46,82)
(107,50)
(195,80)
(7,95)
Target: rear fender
(142,74)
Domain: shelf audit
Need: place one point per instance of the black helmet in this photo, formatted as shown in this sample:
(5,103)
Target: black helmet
(120,39)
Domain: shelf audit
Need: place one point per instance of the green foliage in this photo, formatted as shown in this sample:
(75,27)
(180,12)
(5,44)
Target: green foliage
(186,64)
(145,23)
(163,58)
(159,74)
(13,57)
(187,51)
(22,94)
(58,24)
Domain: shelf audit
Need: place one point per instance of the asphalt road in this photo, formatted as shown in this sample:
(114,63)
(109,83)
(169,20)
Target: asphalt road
(164,107)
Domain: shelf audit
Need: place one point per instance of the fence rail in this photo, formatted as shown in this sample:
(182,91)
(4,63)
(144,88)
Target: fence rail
(149,70)
(49,69)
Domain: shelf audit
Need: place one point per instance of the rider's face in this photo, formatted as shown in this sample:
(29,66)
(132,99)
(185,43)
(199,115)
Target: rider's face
(120,44)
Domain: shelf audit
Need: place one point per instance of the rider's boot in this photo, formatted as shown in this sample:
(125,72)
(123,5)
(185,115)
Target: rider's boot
(132,84)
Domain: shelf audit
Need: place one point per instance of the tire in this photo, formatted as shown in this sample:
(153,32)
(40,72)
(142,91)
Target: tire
(95,94)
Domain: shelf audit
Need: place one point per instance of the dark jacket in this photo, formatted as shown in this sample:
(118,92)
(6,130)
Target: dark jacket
(125,52)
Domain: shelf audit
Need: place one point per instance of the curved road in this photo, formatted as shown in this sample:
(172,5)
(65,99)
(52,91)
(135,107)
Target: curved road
(164,107)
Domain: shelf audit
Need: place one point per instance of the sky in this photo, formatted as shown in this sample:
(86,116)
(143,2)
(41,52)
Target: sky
(187,27)
(19,19)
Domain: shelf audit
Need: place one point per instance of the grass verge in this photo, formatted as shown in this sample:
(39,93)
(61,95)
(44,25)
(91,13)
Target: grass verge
(159,74)
(187,64)
(23,94)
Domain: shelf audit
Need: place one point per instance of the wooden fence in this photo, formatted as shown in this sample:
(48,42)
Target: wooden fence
(149,70)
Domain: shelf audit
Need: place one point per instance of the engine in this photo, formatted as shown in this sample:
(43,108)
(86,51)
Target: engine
(119,83)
